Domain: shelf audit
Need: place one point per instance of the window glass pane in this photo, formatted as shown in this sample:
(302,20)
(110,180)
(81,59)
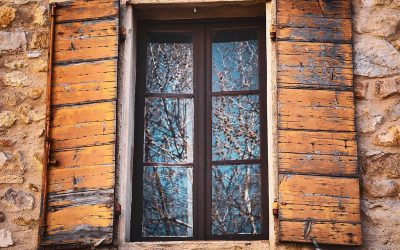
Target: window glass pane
(234,60)
(168,130)
(168,202)
(235,127)
(236,199)
(169,63)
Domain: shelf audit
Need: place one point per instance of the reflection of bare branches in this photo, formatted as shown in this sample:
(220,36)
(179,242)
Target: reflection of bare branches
(234,66)
(169,68)
(236,199)
(166,201)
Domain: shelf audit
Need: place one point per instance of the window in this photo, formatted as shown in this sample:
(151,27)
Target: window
(200,164)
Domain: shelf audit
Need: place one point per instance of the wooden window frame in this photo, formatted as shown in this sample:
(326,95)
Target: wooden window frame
(201,30)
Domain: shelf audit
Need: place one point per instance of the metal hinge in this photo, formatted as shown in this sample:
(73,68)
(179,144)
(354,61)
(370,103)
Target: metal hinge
(272,32)
(275,209)
(122,34)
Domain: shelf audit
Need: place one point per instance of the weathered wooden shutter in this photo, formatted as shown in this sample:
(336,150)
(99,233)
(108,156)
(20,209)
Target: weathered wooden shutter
(318,177)
(79,173)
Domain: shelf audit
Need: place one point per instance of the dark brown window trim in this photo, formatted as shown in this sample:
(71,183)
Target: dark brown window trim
(202,136)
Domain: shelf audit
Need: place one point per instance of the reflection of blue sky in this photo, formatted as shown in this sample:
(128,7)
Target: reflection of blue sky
(168,130)
(236,199)
(235,127)
(235,66)
(167,202)
(169,68)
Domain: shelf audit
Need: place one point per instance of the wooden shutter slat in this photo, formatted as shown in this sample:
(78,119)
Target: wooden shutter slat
(325,232)
(87,9)
(81,174)
(318,176)
(307,64)
(316,109)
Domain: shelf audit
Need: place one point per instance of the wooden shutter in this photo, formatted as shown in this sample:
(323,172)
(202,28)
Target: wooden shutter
(78,204)
(318,178)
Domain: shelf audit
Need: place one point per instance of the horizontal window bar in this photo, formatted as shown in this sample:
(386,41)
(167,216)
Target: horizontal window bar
(236,162)
(166,164)
(239,92)
(168,95)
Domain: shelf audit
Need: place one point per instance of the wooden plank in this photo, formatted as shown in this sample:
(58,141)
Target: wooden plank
(322,65)
(84,82)
(318,143)
(83,125)
(316,109)
(319,198)
(86,9)
(87,156)
(322,232)
(330,165)
(88,40)
(317,8)
(81,178)
(314,29)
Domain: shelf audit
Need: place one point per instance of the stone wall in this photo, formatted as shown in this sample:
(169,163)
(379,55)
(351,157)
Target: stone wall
(23,64)
(377,81)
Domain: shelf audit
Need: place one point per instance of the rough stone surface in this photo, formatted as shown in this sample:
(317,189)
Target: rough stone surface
(388,87)
(375,57)
(7,119)
(19,199)
(390,138)
(39,16)
(7,15)
(17,64)
(5,238)
(12,40)
(16,79)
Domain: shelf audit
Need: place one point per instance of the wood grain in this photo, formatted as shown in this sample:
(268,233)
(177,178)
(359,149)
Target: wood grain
(322,232)
(320,198)
(318,8)
(316,110)
(86,9)
(81,173)
(88,40)
(319,65)
(84,82)
(318,143)
(317,164)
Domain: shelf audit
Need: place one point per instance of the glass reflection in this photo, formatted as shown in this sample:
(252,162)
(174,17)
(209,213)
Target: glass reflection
(168,202)
(234,60)
(169,63)
(235,127)
(168,130)
(236,199)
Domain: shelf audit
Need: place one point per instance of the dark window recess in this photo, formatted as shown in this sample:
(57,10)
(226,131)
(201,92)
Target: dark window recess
(200,168)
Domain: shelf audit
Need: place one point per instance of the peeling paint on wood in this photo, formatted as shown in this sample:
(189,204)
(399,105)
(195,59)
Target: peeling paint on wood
(81,177)
(318,185)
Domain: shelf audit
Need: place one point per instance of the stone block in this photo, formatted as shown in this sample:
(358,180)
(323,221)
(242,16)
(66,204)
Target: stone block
(7,15)
(12,40)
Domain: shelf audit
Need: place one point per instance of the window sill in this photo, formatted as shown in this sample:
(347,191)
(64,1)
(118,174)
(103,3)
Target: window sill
(187,245)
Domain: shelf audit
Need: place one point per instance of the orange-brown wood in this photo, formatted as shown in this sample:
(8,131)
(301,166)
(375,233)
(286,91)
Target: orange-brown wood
(321,232)
(321,198)
(316,109)
(87,9)
(81,176)
(318,187)
(330,165)
(319,143)
(84,82)
(75,217)
(317,8)
(322,65)
(86,40)
(84,156)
